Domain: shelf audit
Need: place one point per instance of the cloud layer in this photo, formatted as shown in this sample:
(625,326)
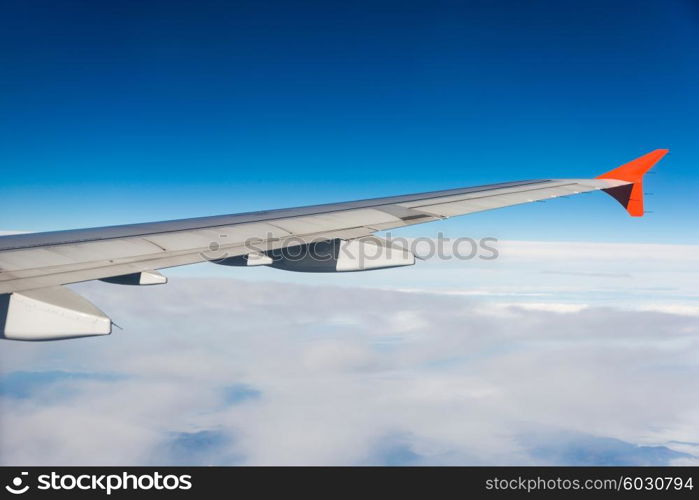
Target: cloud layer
(223,371)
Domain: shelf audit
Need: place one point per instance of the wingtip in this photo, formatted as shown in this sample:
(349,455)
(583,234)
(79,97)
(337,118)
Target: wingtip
(631,195)
(634,170)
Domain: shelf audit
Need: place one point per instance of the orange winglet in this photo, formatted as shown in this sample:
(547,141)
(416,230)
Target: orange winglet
(631,195)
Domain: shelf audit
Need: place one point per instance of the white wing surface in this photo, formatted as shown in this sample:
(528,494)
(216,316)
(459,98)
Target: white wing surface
(34,305)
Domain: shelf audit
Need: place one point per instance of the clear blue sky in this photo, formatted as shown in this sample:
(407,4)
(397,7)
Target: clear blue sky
(118,112)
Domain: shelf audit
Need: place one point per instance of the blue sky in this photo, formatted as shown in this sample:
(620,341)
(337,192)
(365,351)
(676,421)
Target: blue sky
(160,110)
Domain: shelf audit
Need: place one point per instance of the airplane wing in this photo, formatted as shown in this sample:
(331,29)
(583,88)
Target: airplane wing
(33,267)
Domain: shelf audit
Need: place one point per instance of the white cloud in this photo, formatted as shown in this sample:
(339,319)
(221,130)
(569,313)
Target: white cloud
(345,374)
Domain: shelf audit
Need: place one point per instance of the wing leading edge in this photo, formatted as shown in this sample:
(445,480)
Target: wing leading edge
(131,254)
